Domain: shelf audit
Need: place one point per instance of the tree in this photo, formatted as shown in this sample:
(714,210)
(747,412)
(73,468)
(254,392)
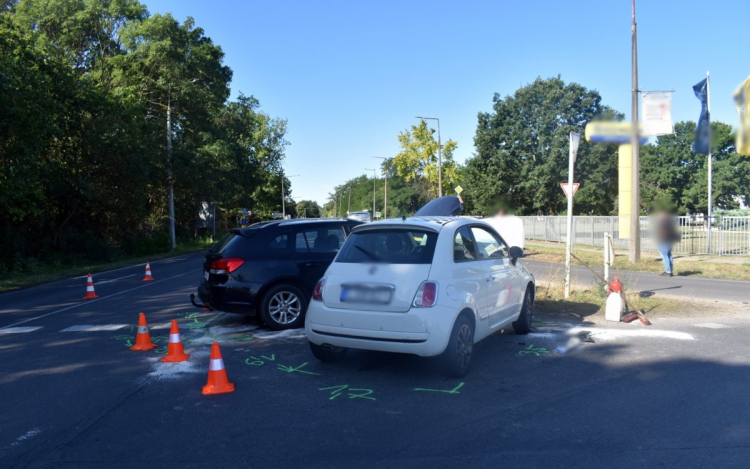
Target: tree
(522,152)
(674,177)
(308,209)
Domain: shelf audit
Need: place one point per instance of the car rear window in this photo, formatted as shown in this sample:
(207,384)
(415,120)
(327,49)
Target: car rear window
(224,242)
(391,246)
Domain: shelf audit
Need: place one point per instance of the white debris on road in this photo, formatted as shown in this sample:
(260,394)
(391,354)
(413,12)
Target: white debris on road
(614,334)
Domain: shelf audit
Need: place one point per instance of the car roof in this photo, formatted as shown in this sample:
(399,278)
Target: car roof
(295,222)
(429,223)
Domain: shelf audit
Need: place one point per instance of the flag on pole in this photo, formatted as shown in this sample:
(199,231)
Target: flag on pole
(702,142)
(742,100)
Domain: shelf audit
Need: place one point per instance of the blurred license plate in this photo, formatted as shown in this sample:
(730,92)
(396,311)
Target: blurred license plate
(366,295)
(205,275)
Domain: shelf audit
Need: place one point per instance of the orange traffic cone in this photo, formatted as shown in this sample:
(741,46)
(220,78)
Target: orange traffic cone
(90,294)
(143,338)
(175,353)
(148,276)
(218,382)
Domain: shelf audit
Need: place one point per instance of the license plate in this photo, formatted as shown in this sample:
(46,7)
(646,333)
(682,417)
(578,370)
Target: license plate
(205,275)
(366,295)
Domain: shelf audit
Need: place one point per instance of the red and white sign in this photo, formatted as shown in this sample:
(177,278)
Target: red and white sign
(564,186)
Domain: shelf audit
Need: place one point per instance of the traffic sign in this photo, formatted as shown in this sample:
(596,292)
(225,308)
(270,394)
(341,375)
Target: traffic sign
(459,189)
(377,214)
(564,186)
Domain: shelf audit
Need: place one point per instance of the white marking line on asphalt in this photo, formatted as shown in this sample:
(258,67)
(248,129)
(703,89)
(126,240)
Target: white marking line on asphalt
(612,334)
(19,330)
(88,302)
(29,434)
(113,280)
(91,328)
(711,325)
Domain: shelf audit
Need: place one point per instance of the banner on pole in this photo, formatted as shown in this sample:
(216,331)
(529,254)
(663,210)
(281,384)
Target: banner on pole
(702,142)
(657,113)
(742,100)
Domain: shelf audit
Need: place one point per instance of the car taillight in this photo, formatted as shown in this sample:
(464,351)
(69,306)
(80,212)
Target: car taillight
(318,292)
(226,266)
(426,295)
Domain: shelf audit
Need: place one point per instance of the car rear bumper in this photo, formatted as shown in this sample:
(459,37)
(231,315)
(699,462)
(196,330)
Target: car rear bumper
(234,299)
(420,331)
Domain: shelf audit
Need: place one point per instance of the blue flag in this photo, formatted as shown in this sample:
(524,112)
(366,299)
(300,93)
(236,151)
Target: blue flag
(702,142)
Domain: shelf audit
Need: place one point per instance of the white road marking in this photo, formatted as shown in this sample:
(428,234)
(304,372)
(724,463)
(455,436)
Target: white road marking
(91,328)
(711,325)
(19,330)
(612,334)
(29,434)
(113,280)
(88,302)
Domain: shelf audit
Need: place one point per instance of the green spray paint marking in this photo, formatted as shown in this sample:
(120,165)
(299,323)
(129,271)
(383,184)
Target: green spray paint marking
(198,322)
(452,391)
(255,361)
(353,393)
(128,340)
(531,349)
(298,369)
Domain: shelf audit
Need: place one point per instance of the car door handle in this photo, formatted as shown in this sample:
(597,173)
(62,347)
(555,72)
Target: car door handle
(310,264)
(489,279)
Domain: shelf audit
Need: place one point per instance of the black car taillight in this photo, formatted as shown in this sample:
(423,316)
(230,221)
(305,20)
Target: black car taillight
(226,266)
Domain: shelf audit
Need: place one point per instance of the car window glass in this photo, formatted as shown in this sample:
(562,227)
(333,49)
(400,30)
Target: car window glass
(300,244)
(325,239)
(463,246)
(279,243)
(488,245)
(392,246)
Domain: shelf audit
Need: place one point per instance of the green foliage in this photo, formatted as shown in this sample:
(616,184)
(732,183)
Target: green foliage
(522,152)
(308,209)
(673,175)
(85,88)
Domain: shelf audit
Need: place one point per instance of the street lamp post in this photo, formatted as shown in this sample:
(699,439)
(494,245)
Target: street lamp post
(283,195)
(374,181)
(385,198)
(440,155)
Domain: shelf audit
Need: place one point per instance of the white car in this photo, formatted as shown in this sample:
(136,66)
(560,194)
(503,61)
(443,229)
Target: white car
(424,285)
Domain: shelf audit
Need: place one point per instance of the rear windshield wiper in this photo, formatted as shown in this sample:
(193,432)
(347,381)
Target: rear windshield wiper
(367,253)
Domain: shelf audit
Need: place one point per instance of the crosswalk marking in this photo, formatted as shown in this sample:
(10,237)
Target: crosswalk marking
(19,330)
(92,328)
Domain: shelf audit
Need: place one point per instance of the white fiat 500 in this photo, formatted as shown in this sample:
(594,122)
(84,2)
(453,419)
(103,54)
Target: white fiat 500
(424,285)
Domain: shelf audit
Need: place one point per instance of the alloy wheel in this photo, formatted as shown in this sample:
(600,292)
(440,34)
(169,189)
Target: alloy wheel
(284,307)
(464,345)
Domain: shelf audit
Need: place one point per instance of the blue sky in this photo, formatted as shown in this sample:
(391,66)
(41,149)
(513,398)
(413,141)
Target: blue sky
(350,75)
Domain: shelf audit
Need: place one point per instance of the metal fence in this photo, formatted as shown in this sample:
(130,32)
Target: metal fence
(730,236)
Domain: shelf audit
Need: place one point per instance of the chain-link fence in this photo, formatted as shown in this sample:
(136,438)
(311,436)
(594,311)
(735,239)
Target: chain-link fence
(730,236)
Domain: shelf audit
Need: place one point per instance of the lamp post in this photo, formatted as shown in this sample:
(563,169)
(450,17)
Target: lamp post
(283,195)
(374,181)
(440,155)
(385,172)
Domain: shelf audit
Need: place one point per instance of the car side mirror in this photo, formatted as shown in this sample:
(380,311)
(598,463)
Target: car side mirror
(515,253)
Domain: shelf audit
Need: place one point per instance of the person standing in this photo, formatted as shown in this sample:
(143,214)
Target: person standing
(666,237)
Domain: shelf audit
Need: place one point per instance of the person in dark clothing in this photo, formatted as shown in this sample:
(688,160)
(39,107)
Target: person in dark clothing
(666,237)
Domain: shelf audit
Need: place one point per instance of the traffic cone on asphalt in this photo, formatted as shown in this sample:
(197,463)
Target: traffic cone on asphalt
(175,353)
(148,276)
(143,338)
(90,294)
(218,382)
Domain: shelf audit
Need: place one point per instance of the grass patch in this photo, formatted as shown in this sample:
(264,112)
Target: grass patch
(45,274)
(733,269)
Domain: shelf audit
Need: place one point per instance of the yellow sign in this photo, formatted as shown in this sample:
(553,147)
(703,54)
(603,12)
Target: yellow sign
(459,189)
(613,132)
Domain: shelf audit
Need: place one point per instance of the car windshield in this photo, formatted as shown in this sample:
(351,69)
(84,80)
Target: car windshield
(391,246)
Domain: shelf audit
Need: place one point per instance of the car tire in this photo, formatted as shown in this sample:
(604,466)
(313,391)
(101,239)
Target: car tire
(457,355)
(328,355)
(522,325)
(283,307)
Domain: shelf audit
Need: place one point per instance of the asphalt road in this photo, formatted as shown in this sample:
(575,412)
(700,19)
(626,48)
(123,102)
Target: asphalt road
(670,395)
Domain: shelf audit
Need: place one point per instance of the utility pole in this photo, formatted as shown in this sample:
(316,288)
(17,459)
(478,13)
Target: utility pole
(440,155)
(572,153)
(349,205)
(374,182)
(385,171)
(634,254)
(710,164)
(283,195)
(170,175)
